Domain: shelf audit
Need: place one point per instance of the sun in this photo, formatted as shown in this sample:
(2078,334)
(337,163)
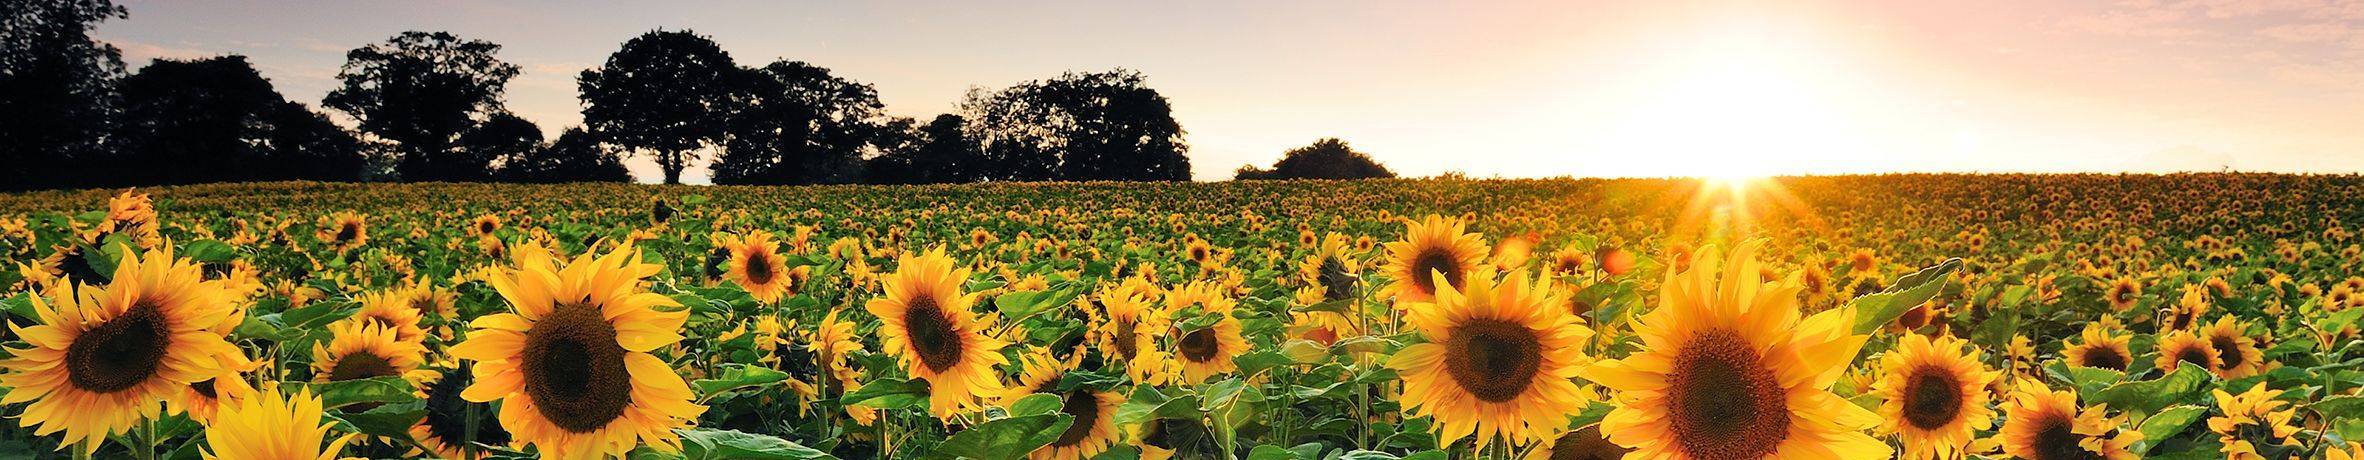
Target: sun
(1741,99)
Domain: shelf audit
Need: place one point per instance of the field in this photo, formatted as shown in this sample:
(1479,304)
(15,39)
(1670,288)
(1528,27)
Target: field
(1915,316)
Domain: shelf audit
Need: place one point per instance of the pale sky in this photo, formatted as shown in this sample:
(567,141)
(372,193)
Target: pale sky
(1514,89)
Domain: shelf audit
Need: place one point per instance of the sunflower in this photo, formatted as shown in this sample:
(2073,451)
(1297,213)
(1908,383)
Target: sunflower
(571,366)
(1730,371)
(2237,354)
(756,266)
(484,225)
(2184,347)
(1125,327)
(2123,292)
(443,433)
(362,350)
(205,398)
(1497,363)
(1206,351)
(1330,270)
(2255,425)
(2041,424)
(1435,245)
(102,358)
(1581,444)
(273,426)
(344,231)
(395,310)
(834,345)
(1094,429)
(2187,311)
(1935,395)
(929,328)
(2100,348)
(1321,326)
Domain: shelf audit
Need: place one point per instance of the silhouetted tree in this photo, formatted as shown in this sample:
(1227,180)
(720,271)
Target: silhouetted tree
(215,120)
(55,97)
(799,125)
(1080,126)
(936,153)
(423,90)
(666,93)
(1328,158)
(574,157)
(496,142)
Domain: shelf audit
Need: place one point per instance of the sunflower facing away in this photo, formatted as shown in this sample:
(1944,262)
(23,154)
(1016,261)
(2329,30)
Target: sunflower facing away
(1935,396)
(2255,426)
(272,426)
(1432,246)
(102,359)
(1497,362)
(443,432)
(756,266)
(571,366)
(1730,371)
(1207,351)
(2099,348)
(927,325)
(2041,424)
(1126,327)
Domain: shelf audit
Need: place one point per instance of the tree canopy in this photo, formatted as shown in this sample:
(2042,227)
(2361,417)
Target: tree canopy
(217,120)
(666,93)
(1328,158)
(1079,126)
(422,91)
(56,94)
(799,125)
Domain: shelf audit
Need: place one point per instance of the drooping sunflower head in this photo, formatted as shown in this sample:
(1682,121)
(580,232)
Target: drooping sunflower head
(2100,348)
(1934,394)
(572,364)
(756,265)
(443,433)
(273,425)
(1498,362)
(1435,245)
(1331,269)
(102,358)
(205,398)
(2255,425)
(928,326)
(2042,424)
(1731,371)
(2180,347)
(2237,353)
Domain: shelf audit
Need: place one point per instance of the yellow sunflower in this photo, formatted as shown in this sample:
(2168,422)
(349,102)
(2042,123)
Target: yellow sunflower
(1935,396)
(102,358)
(1581,444)
(443,432)
(2123,293)
(834,345)
(2255,425)
(1207,351)
(395,310)
(272,426)
(362,350)
(484,225)
(571,366)
(2185,347)
(1330,271)
(2237,354)
(2100,348)
(1435,245)
(1094,429)
(2041,424)
(927,325)
(344,231)
(1125,327)
(756,266)
(1497,363)
(1731,371)
(205,398)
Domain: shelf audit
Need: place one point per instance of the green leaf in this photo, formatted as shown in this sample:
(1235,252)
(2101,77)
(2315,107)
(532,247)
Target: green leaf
(381,390)
(2166,424)
(1875,310)
(889,394)
(710,444)
(2149,396)
(1996,332)
(735,376)
(392,420)
(208,251)
(1305,351)
(1006,439)
(1036,404)
(2342,407)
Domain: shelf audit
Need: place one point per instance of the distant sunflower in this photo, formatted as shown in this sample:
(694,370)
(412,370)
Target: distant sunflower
(929,328)
(2100,348)
(571,366)
(1935,396)
(1126,326)
(756,266)
(484,225)
(2255,425)
(2237,354)
(1435,245)
(102,358)
(1094,429)
(1731,372)
(273,426)
(363,350)
(2123,293)
(344,231)
(1497,363)
(2041,424)
(1581,444)
(1207,351)
(2180,347)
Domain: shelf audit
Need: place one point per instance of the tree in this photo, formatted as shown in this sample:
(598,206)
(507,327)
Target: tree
(574,157)
(215,120)
(55,89)
(423,91)
(799,125)
(1328,158)
(665,93)
(936,153)
(1079,126)
(496,142)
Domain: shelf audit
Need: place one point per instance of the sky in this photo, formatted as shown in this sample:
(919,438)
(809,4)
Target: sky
(1510,88)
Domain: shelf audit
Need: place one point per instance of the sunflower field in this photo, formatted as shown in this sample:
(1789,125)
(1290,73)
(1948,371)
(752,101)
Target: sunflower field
(1854,317)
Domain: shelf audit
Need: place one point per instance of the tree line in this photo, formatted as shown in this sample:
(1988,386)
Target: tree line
(428,106)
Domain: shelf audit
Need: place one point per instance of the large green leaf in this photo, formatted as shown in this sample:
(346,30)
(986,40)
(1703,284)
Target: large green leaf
(2166,424)
(1875,310)
(710,444)
(1006,439)
(381,390)
(889,393)
(2149,396)
(735,376)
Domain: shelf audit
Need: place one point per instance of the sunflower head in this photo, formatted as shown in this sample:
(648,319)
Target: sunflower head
(1934,394)
(756,265)
(929,327)
(2042,424)
(1433,248)
(2181,347)
(363,350)
(1498,363)
(2255,425)
(2100,348)
(2237,353)
(273,425)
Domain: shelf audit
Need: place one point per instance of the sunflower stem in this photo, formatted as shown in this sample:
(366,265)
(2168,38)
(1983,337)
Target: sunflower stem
(148,435)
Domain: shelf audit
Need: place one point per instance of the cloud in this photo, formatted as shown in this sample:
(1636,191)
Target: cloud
(2306,33)
(138,54)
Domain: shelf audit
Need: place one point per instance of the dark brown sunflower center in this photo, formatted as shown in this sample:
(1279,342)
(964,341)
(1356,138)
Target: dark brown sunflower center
(932,335)
(1493,359)
(204,388)
(574,369)
(2058,441)
(382,321)
(1586,444)
(2228,349)
(1434,261)
(1932,398)
(2104,358)
(485,226)
(759,267)
(2193,354)
(1726,404)
(1086,409)
(1125,337)
(346,232)
(360,366)
(1200,345)
(122,353)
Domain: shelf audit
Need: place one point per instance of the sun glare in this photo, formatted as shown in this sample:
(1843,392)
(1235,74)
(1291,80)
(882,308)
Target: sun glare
(1733,106)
